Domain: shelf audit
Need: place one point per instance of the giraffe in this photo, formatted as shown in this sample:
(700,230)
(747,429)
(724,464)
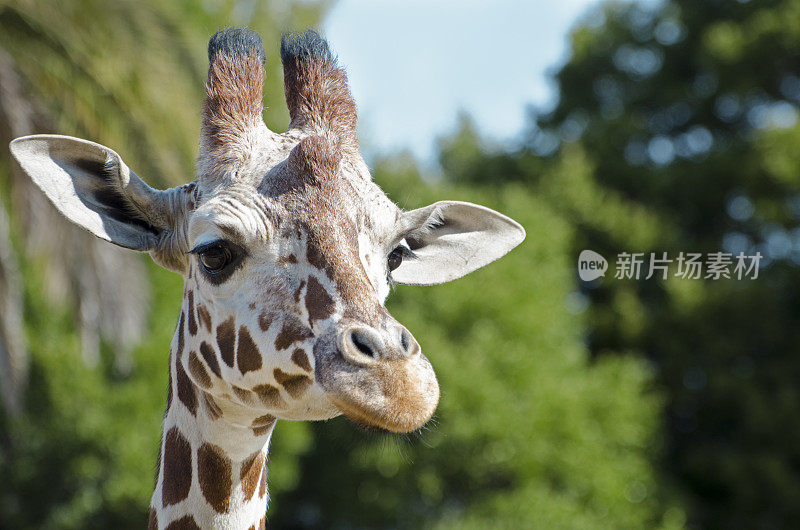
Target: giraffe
(288,251)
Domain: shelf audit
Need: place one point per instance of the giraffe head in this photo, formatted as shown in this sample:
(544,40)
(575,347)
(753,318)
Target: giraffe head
(287,247)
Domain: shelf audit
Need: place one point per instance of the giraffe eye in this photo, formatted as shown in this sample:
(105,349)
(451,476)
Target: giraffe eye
(395,258)
(215,258)
(218,260)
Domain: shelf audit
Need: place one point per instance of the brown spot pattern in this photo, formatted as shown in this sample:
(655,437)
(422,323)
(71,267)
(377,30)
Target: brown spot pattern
(334,249)
(180,334)
(247,355)
(300,358)
(177,468)
(241,393)
(262,525)
(211,358)
(262,489)
(184,523)
(169,383)
(250,473)
(319,303)
(262,424)
(261,431)
(263,421)
(292,331)
(270,396)
(265,320)
(315,257)
(204,317)
(212,409)
(226,336)
(185,389)
(295,385)
(158,463)
(198,370)
(190,309)
(214,475)
(152,520)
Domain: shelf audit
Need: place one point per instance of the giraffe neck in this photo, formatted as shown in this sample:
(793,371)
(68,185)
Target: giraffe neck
(211,471)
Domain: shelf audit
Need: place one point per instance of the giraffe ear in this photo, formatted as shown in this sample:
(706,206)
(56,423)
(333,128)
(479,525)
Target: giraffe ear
(450,239)
(92,187)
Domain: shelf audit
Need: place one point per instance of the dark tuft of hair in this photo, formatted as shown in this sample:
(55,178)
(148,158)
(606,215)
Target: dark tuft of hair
(305,47)
(236,41)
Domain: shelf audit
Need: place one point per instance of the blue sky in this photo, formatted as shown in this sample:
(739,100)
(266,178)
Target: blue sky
(414,64)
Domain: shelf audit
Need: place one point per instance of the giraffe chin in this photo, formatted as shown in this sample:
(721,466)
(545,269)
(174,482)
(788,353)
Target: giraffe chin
(394,396)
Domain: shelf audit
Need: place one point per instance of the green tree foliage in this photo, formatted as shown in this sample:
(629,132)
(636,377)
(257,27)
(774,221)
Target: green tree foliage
(676,130)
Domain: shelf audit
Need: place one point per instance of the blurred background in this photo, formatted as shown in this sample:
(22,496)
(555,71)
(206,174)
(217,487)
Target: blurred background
(653,126)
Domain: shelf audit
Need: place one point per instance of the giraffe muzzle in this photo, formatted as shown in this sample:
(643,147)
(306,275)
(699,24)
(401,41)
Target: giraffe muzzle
(378,376)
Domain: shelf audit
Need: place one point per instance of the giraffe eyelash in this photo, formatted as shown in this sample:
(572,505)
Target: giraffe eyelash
(203,246)
(406,251)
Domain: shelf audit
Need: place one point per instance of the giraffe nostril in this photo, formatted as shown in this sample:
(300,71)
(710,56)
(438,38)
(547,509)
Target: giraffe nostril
(408,344)
(405,339)
(362,344)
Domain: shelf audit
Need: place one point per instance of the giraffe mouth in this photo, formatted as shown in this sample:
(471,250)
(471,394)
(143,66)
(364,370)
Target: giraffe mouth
(398,396)
(367,421)
(399,413)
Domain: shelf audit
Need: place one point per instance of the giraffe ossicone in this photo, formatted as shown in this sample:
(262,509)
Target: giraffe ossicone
(288,250)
